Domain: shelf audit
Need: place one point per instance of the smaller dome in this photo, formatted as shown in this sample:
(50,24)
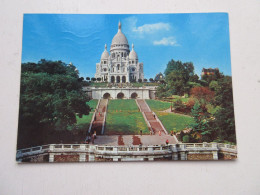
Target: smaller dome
(133,54)
(105,53)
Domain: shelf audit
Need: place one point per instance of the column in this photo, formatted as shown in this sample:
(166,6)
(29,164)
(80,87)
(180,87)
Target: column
(82,157)
(215,155)
(183,156)
(51,157)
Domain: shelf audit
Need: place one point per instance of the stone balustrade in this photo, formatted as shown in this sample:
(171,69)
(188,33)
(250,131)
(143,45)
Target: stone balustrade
(87,152)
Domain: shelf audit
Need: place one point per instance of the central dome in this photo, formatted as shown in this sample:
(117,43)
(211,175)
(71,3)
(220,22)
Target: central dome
(119,38)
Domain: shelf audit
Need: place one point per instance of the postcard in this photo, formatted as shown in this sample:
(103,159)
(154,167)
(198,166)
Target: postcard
(126,87)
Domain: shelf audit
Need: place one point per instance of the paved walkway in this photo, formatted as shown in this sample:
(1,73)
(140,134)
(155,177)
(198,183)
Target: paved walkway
(99,117)
(128,140)
(150,117)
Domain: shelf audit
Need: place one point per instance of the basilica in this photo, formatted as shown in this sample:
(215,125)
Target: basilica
(121,65)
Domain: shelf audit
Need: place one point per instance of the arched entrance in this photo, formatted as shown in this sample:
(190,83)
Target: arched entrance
(112,79)
(118,79)
(106,96)
(123,79)
(120,95)
(134,95)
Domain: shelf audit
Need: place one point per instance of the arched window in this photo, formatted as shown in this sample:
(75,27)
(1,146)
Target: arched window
(118,66)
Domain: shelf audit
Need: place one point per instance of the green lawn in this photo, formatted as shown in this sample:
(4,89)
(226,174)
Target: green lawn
(94,84)
(172,120)
(123,105)
(169,120)
(92,104)
(124,118)
(83,123)
(157,105)
(144,84)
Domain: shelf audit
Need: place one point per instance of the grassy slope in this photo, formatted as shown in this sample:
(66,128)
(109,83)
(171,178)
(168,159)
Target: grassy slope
(123,117)
(169,120)
(172,121)
(83,123)
(157,105)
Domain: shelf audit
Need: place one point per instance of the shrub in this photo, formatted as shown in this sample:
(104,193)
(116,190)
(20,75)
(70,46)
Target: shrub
(186,139)
(202,93)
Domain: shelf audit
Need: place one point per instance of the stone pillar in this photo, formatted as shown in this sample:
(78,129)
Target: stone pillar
(51,157)
(115,158)
(150,158)
(150,149)
(82,157)
(92,149)
(91,157)
(183,155)
(215,155)
(174,156)
(115,149)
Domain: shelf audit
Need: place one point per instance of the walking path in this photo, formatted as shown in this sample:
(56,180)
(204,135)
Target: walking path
(99,118)
(150,117)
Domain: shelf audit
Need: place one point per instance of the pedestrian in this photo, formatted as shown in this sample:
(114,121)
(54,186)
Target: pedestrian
(160,133)
(95,134)
(141,132)
(95,118)
(154,116)
(167,142)
(171,132)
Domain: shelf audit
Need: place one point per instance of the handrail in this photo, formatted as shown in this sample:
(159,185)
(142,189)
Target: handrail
(93,117)
(132,149)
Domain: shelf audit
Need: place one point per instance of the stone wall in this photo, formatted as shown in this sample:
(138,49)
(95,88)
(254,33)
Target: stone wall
(142,93)
(226,156)
(199,156)
(66,158)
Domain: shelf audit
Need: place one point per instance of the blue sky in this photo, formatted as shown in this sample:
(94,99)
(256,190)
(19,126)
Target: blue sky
(80,38)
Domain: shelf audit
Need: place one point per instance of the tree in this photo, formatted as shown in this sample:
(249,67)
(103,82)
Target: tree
(176,83)
(224,123)
(202,94)
(179,77)
(50,98)
(80,79)
(140,80)
(145,80)
(213,85)
(87,78)
(162,91)
(151,80)
(98,79)
(93,79)
(185,69)
(200,127)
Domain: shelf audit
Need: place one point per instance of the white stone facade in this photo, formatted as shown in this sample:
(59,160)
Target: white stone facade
(121,65)
(120,93)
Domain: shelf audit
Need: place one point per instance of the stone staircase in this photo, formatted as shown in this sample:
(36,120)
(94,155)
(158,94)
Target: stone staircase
(153,121)
(99,118)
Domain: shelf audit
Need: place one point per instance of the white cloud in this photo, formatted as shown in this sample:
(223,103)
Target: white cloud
(150,28)
(130,25)
(167,41)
